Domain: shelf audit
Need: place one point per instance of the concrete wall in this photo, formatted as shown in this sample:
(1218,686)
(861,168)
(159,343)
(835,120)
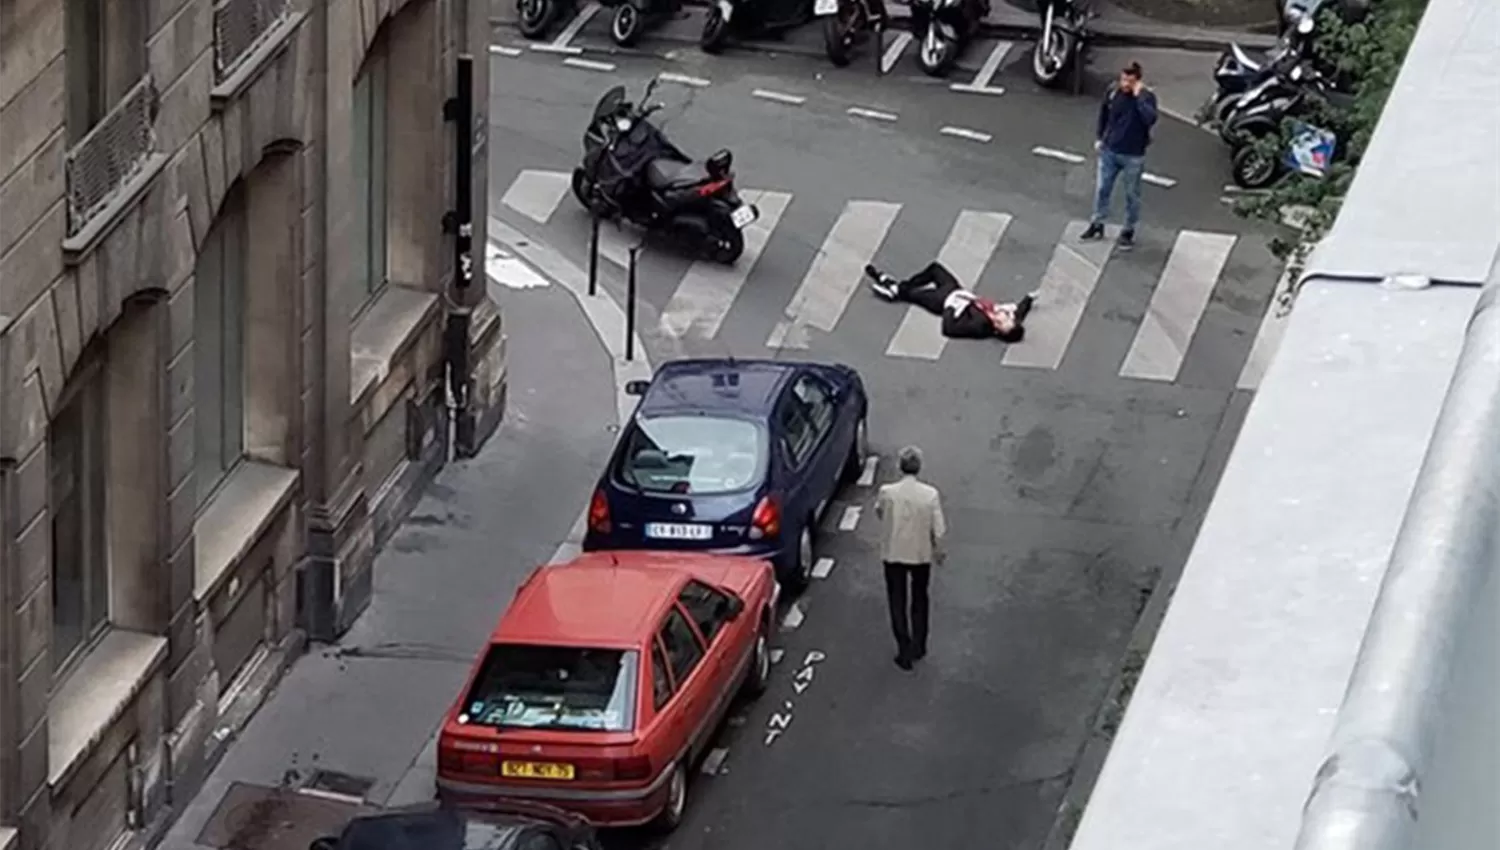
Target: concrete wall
(343,421)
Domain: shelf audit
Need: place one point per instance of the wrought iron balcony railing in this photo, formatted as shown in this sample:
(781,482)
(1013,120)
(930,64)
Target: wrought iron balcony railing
(239,27)
(113,152)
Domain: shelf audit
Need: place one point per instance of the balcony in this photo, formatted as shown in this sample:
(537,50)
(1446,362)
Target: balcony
(246,30)
(108,168)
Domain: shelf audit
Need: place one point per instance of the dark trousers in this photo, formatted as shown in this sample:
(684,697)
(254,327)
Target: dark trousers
(908,610)
(931,286)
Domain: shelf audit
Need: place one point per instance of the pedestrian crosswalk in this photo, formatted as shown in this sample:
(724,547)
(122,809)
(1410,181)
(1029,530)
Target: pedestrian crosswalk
(803,263)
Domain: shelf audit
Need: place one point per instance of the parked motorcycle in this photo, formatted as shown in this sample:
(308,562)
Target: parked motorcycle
(945,27)
(630,169)
(1058,53)
(750,18)
(1310,152)
(535,18)
(633,17)
(848,23)
(1259,111)
(1239,70)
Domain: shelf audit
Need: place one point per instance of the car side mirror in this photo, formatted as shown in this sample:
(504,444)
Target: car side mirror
(636,388)
(733,607)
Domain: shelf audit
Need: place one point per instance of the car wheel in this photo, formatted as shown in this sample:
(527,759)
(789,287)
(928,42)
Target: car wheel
(800,574)
(855,464)
(758,679)
(671,814)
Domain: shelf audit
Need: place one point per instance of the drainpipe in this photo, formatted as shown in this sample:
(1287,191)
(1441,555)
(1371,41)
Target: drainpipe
(458,222)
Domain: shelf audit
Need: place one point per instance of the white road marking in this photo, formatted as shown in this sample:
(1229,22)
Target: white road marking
(981,82)
(589,64)
(1158,180)
(850,520)
(1267,339)
(1067,283)
(708,290)
(501,50)
(873,114)
(561,44)
(893,52)
(793,618)
(779,97)
(507,270)
(1181,294)
(683,79)
(971,243)
(1054,153)
(536,194)
(835,273)
(867,475)
(713,763)
(971,135)
(823,568)
(777,655)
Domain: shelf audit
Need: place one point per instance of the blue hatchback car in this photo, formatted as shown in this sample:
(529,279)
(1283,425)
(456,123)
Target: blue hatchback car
(733,456)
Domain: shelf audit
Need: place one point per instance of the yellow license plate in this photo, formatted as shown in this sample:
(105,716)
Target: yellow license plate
(536,770)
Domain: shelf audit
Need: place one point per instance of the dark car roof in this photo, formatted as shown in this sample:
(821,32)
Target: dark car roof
(431,829)
(718,385)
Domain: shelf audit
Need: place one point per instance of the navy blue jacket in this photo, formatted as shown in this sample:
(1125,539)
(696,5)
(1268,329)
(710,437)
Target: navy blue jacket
(1125,122)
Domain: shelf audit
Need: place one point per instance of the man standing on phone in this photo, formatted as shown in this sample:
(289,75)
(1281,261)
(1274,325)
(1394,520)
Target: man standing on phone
(1121,136)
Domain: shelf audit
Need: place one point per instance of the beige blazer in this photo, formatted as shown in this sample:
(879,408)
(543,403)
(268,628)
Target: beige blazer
(911,522)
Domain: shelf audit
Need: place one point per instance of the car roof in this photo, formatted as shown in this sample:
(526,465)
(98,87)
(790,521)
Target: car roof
(433,828)
(717,385)
(600,599)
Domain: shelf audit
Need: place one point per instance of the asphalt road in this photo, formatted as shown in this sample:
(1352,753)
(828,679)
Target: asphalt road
(1072,465)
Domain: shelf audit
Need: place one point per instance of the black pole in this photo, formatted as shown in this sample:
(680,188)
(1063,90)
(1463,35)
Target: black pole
(594,257)
(879,50)
(630,307)
(459,110)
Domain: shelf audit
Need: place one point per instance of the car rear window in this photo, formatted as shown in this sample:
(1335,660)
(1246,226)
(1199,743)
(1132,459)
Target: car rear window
(554,687)
(692,454)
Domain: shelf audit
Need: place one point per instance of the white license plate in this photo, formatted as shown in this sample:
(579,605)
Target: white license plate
(678,531)
(825,7)
(742,216)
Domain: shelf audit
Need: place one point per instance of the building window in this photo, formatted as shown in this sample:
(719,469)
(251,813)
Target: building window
(106,56)
(76,463)
(219,346)
(369,175)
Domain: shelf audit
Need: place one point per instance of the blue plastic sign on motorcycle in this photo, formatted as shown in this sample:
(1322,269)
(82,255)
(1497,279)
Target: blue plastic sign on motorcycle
(1311,150)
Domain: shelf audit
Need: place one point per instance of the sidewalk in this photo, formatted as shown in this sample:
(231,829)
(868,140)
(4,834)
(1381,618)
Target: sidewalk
(349,724)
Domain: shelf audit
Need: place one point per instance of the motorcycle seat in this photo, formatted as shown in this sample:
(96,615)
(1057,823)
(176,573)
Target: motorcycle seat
(666,174)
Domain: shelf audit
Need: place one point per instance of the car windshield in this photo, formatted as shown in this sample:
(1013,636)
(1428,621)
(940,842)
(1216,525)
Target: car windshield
(554,687)
(692,454)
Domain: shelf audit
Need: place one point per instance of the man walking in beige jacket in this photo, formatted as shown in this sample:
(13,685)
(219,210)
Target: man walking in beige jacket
(912,529)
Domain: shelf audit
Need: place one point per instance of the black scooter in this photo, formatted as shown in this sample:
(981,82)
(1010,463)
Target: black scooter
(847,24)
(728,18)
(1286,94)
(633,18)
(535,18)
(631,170)
(1059,51)
(945,28)
(1238,70)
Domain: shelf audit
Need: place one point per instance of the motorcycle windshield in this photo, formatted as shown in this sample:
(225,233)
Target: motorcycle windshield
(610,103)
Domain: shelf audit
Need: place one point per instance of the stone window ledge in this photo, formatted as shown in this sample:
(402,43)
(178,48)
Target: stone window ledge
(235,518)
(81,244)
(95,695)
(250,67)
(381,333)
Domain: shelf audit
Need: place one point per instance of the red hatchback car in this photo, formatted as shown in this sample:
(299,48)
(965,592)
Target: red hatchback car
(606,680)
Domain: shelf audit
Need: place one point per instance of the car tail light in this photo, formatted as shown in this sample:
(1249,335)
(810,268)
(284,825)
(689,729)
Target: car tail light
(602,768)
(599,513)
(633,768)
(708,190)
(766,520)
(473,758)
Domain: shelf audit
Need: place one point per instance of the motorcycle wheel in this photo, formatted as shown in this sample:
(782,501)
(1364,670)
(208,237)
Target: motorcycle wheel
(838,35)
(535,17)
(715,31)
(627,25)
(936,56)
(583,189)
(1223,107)
(725,241)
(1051,62)
(1251,168)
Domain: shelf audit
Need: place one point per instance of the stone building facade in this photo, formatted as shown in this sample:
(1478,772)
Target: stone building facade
(222,367)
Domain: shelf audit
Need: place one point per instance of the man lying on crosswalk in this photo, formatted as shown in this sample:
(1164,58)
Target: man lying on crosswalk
(965,315)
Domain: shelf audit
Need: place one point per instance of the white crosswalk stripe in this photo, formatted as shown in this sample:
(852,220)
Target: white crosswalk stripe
(835,273)
(704,299)
(1183,291)
(707,291)
(974,238)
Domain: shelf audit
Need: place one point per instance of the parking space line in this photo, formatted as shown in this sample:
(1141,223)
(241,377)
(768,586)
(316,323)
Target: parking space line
(713,763)
(874,114)
(823,568)
(867,475)
(1054,153)
(502,50)
(589,64)
(789,99)
(963,133)
(777,655)
(1158,180)
(793,618)
(684,79)
(1177,305)
(561,44)
(981,82)
(893,52)
(850,520)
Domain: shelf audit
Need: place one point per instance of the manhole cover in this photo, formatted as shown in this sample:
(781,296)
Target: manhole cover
(332,783)
(258,817)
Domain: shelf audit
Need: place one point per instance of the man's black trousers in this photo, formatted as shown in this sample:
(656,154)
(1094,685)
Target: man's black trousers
(928,288)
(906,593)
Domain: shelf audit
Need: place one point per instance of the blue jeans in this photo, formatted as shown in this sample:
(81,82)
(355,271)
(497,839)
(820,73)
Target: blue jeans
(1111,166)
